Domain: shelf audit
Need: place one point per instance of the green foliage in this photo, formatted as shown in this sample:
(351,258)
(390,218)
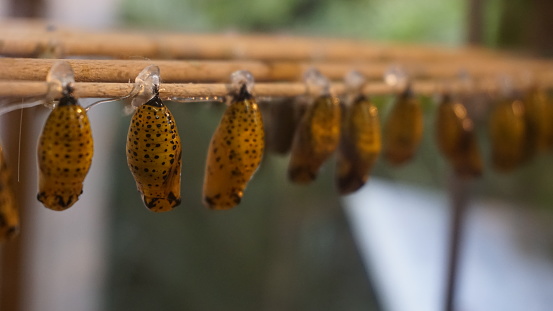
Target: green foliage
(401,20)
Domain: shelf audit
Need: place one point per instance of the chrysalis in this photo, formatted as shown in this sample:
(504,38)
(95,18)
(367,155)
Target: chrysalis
(280,125)
(456,138)
(539,113)
(65,150)
(508,135)
(360,144)
(154,147)
(236,148)
(9,213)
(403,129)
(318,133)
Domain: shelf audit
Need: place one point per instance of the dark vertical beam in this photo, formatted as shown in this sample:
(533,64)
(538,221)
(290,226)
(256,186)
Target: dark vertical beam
(459,199)
(475,19)
(12,254)
(10,280)
(525,25)
(541,23)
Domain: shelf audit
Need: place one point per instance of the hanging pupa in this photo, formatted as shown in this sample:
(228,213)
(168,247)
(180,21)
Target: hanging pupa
(9,213)
(360,141)
(539,113)
(403,129)
(65,147)
(508,131)
(282,115)
(154,146)
(456,138)
(318,133)
(236,148)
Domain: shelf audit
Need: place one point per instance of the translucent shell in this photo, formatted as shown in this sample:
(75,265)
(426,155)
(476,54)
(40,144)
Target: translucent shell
(65,151)
(360,145)
(154,155)
(508,135)
(234,154)
(456,138)
(315,140)
(403,129)
(539,113)
(9,213)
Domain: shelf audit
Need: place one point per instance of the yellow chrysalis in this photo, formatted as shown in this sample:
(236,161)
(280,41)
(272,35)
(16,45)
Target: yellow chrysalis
(280,125)
(456,138)
(403,129)
(316,138)
(235,152)
(154,155)
(65,152)
(360,145)
(539,113)
(507,128)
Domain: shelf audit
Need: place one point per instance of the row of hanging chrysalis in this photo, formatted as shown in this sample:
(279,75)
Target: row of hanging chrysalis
(235,152)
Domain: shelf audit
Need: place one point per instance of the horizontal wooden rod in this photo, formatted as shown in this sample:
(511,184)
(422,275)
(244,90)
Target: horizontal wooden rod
(219,71)
(29,89)
(33,39)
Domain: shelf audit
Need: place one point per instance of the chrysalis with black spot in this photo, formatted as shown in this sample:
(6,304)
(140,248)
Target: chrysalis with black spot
(9,213)
(235,151)
(456,138)
(403,129)
(360,144)
(154,155)
(316,138)
(65,151)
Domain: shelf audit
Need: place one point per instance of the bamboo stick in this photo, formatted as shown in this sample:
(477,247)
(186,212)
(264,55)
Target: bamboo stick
(32,40)
(124,45)
(25,89)
(219,71)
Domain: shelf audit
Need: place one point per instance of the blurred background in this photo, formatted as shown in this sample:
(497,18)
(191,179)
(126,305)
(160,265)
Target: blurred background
(285,247)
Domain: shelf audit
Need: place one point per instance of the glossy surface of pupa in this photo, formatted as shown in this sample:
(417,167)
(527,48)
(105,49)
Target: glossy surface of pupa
(403,129)
(9,212)
(65,152)
(154,155)
(235,152)
(317,136)
(360,145)
(507,128)
(456,139)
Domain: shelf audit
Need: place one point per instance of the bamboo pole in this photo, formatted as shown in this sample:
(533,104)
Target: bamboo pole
(181,46)
(219,71)
(17,38)
(27,89)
